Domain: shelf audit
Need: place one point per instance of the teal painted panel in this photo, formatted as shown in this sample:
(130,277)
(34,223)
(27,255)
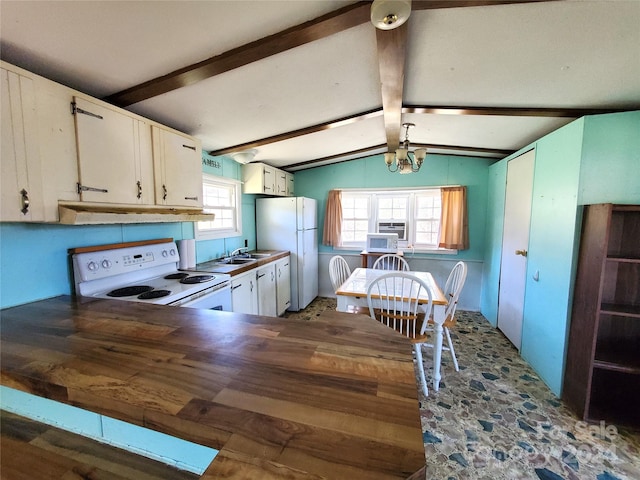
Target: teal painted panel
(149,443)
(552,240)
(610,170)
(164,448)
(65,417)
(34,258)
(493,245)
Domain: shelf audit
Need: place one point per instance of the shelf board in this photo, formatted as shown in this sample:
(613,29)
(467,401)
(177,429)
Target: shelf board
(620,310)
(623,259)
(617,367)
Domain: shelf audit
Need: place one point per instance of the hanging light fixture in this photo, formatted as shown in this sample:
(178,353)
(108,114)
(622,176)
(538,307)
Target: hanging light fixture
(390,14)
(403,161)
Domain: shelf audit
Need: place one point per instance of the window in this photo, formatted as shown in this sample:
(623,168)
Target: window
(221,196)
(413,214)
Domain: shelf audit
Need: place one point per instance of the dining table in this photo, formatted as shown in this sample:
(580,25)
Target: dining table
(353,292)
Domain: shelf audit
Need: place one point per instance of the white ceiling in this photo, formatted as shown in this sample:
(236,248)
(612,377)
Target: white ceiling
(548,55)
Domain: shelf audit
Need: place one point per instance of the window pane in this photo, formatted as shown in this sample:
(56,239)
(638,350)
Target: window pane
(221,197)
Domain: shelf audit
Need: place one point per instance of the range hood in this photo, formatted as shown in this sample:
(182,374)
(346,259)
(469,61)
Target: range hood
(83,213)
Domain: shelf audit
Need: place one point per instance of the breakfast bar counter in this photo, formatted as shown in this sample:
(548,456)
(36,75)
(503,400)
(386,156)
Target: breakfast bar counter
(330,398)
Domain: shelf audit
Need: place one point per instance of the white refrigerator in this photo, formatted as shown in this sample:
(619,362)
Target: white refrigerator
(290,223)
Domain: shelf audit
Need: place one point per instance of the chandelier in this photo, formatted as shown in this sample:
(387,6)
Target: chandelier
(402,160)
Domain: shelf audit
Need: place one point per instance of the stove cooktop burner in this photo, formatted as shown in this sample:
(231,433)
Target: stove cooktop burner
(176,276)
(154,294)
(197,279)
(129,291)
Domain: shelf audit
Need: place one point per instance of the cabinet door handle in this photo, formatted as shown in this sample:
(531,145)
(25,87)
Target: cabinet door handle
(236,286)
(139,189)
(191,198)
(25,201)
(260,276)
(164,192)
(251,284)
(521,252)
(189,147)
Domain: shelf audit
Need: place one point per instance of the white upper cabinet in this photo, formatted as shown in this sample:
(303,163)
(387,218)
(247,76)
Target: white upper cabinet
(281,183)
(114,155)
(290,190)
(263,178)
(21,187)
(178,168)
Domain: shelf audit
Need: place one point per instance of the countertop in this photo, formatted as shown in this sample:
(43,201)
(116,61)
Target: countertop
(334,397)
(214,266)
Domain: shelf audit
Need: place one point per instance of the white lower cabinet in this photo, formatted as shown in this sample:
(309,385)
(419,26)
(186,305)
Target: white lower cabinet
(283,285)
(244,293)
(264,290)
(266,277)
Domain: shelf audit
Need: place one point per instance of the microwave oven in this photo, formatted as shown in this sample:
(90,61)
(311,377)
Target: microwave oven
(382,242)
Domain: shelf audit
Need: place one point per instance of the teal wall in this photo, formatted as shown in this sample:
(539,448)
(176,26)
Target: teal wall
(591,160)
(552,243)
(610,171)
(493,245)
(34,262)
(437,170)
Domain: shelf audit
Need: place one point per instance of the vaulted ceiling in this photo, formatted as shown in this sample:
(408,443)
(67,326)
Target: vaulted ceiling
(307,83)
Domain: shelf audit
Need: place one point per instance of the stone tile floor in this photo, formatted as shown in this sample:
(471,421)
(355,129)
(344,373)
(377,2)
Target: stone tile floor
(496,419)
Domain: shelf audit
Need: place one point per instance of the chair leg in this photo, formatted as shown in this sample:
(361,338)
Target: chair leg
(423,380)
(451,350)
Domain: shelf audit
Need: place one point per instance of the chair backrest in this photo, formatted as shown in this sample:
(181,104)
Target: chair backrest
(453,287)
(393,300)
(339,271)
(391,261)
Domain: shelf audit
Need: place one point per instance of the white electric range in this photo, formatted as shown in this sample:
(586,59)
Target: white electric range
(149,274)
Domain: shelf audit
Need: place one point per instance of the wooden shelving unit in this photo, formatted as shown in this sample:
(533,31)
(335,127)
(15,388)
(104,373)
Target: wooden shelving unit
(602,376)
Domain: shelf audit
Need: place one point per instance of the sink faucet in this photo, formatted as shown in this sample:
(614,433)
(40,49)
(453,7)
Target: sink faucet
(239,251)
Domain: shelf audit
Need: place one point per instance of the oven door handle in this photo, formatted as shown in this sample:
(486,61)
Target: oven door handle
(204,293)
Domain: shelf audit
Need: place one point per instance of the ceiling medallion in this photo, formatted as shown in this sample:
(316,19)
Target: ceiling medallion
(390,14)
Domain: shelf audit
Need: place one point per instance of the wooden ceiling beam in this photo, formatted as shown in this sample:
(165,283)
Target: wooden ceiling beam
(298,133)
(511,111)
(392,49)
(321,27)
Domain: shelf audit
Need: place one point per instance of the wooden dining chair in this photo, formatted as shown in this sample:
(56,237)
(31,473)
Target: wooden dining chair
(391,261)
(339,271)
(451,291)
(393,300)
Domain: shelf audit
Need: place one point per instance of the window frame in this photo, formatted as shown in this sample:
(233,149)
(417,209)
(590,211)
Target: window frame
(236,192)
(408,245)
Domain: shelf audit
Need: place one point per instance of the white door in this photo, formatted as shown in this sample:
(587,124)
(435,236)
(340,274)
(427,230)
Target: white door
(515,242)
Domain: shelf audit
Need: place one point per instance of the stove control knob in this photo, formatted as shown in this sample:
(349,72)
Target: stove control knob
(92,266)
(106,263)
(172,252)
(165,253)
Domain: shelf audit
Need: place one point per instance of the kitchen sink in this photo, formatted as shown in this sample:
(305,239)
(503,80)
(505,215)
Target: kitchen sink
(237,261)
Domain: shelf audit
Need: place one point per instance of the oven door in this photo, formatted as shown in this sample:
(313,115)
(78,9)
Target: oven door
(214,298)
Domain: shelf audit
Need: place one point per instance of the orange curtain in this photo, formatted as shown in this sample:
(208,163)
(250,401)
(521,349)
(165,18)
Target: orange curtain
(333,219)
(454,224)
